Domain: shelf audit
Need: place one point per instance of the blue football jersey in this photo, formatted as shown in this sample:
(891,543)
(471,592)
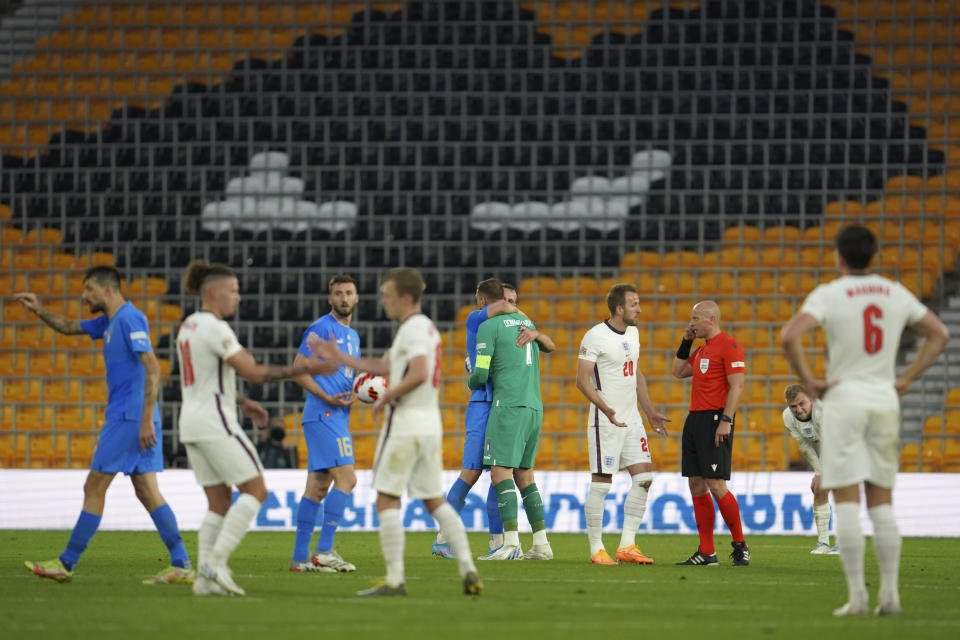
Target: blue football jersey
(125,336)
(474,320)
(341,380)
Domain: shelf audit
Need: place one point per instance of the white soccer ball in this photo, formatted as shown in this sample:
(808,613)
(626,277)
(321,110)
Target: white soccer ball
(367,388)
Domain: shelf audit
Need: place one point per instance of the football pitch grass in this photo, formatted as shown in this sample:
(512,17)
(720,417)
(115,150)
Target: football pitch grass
(784,593)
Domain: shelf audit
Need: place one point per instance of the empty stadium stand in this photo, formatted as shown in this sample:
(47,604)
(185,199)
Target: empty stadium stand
(698,149)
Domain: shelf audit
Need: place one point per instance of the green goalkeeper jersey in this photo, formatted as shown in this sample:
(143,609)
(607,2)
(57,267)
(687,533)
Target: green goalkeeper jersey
(515,371)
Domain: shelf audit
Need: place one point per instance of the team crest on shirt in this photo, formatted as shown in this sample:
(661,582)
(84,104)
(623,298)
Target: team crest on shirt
(626,347)
(608,461)
(704,364)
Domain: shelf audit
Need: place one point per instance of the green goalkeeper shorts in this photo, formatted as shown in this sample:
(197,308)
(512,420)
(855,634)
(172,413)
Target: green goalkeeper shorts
(512,437)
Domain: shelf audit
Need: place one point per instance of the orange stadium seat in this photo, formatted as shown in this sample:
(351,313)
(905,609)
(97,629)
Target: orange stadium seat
(7,448)
(452,452)
(363,451)
(538,287)
(742,234)
(34,418)
(46,364)
(451,418)
(782,234)
(546,452)
(81,448)
(70,418)
(950,462)
(44,236)
(41,451)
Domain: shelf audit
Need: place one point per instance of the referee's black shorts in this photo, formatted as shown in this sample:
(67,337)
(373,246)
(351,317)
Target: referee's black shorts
(699,456)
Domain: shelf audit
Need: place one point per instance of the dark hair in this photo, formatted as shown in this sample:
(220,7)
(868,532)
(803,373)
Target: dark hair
(507,285)
(618,296)
(407,282)
(491,289)
(856,245)
(104,275)
(198,271)
(340,279)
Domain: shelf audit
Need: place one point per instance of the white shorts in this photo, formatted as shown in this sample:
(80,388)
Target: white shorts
(619,447)
(414,463)
(230,460)
(861,437)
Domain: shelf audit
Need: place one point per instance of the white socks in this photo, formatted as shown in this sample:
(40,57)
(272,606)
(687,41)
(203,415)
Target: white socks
(821,514)
(540,537)
(593,511)
(852,544)
(207,535)
(452,529)
(234,527)
(511,538)
(886,543)
(391,543)
(634,506)
(496,541)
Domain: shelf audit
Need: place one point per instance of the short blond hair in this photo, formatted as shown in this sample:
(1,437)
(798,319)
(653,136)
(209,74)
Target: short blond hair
(792,390)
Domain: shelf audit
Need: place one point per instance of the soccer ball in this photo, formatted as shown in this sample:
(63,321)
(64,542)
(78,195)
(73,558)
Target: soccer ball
(368,387)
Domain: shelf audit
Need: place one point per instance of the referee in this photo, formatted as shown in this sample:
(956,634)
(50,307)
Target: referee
(718,370)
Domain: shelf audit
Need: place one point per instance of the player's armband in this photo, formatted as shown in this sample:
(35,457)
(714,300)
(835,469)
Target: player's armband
(483,362)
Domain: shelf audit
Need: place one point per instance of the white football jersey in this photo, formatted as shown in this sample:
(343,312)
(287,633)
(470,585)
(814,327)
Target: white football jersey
(418,411)
(863,317)
(208,385)
(807,434)
(614,355)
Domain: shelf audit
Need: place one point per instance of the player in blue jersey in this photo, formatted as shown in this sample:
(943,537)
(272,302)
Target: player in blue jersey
(130,438)
(493,298)
(326,421)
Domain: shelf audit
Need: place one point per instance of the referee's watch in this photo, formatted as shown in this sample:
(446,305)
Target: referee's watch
(726,418)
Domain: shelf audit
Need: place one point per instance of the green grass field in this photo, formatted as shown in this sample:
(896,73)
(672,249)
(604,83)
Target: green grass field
(785,593)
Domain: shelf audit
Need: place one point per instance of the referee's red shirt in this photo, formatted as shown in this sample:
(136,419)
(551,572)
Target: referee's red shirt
(712,362)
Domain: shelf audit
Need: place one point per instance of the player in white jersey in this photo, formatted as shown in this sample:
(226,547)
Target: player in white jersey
(803,419)
(219,451)
(863,316)
(608,376)
(409,452)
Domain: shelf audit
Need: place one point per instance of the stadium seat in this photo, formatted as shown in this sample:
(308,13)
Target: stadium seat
(81,450)
(950,462)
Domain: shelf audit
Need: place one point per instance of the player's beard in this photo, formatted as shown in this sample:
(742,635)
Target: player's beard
(343,315)
(96,307)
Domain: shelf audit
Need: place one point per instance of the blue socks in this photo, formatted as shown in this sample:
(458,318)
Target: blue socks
(457,495)
(493,512)
(86,526)
(333,506)
(306,521)
(166,524)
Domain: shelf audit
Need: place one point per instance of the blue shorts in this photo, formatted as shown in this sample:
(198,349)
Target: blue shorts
(475,421)
(118,449)
(329,445)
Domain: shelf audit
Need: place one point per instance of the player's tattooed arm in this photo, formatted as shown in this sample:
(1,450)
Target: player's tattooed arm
(53,320)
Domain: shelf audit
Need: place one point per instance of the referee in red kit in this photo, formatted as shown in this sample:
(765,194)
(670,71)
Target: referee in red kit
(718,369)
